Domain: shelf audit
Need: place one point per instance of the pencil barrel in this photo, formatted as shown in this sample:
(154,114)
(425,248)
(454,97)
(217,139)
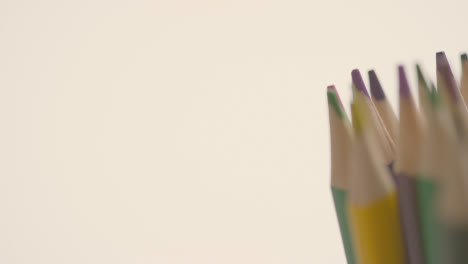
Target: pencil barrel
(426,191)
(376,232)
(339,198)
(407,203)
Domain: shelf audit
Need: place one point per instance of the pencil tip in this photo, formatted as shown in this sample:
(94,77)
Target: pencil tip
(335,101)
(404,87)
(375,87)
(441,60)
(464,57)
(359,82)
(441,55)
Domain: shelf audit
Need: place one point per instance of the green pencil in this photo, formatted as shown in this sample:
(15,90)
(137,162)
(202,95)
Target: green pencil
(435,160)
(341,140)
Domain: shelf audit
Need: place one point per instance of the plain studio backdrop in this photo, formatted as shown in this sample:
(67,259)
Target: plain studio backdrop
(189,131)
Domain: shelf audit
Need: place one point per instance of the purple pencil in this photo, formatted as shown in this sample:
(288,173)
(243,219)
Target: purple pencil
(383,106)
(449,90)
(408,156)
(446,82)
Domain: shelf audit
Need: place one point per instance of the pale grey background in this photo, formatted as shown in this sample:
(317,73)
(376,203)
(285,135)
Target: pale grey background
(188,131)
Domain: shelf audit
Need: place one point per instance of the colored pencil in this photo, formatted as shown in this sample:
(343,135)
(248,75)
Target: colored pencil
(453,215)
(409,148)
(425,183)
(383,106)
(384,140)
(340,141)
(440,139)
(372,200)
(424,91)
(447,85)
(453,203)
(443,67)
(451,94)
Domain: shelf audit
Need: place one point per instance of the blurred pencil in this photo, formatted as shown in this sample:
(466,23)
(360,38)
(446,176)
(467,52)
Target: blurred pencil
(372,201)
(452,96)
(383,106)
(384,141)
(447,86)
(340,140)
(435,158)
(426,182)
(453,206)
(453,194)
(408,155)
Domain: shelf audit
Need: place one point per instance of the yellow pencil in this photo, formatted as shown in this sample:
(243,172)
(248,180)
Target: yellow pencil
(372,201)
(384,140)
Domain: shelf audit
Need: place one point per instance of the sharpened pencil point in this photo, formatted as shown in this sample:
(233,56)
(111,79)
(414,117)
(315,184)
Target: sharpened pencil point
(335,101)
(404,87)
(441,59)
(359,82)
(442,64)
(375,87)
(464,57)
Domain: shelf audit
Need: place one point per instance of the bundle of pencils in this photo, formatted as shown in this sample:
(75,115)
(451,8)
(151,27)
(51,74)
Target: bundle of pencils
(400,185)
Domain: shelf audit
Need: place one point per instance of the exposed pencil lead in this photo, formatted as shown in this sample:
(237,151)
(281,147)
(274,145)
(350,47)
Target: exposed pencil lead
(442,64)
(404,87)
(441,59)
(335,101)
(375,87)
(464,57)
(359,82)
